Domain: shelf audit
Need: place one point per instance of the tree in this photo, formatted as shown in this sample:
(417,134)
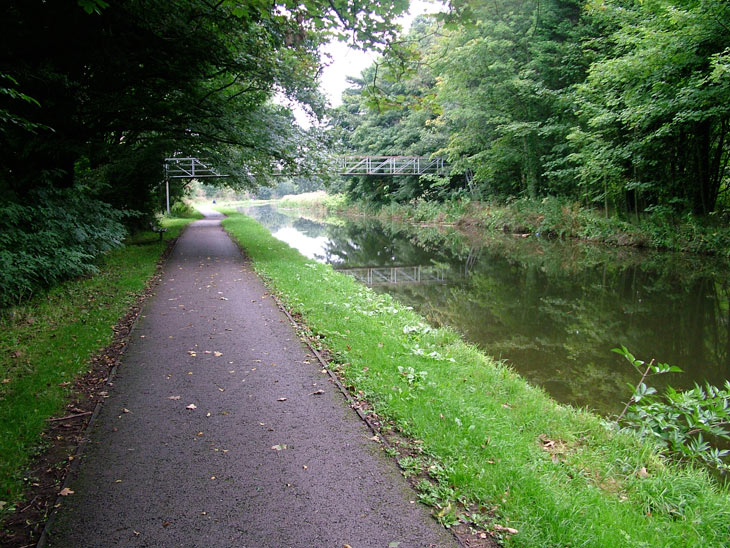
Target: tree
(96,94)
(657,105)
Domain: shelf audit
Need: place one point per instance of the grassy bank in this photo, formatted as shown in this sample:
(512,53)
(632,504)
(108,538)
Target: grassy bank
(46,342)
(550,217)
(481,435)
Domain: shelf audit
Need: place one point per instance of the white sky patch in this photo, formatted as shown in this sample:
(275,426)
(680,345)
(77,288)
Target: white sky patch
(306,245)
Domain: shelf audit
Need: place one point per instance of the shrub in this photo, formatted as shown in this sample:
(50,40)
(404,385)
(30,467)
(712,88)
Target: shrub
(183,210)
(55,235)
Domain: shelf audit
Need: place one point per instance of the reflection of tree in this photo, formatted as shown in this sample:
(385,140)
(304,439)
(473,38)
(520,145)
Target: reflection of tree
(557,327)
(268,216)
(367,244)
(311,228)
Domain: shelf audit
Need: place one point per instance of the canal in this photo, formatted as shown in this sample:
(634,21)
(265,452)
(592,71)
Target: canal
(552,310)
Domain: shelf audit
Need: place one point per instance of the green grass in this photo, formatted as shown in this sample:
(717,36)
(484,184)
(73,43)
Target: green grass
(46,342)
(486,434)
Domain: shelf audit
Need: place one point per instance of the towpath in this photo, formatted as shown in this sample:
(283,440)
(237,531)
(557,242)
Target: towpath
(215,432)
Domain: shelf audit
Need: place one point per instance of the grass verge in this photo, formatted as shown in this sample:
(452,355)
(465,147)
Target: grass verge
(47,342)
(488,441)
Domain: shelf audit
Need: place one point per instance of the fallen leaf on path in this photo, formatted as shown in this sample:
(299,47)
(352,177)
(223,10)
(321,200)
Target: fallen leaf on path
(281,399)
(394,544)
(223,299)
(173,398)
(65,492)
(192,353)
(217,354)
(316,392)
(125,410)
(278,447)
(192,406)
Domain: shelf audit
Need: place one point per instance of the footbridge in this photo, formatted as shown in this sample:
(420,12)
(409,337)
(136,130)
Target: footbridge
(390,165)
(347,166)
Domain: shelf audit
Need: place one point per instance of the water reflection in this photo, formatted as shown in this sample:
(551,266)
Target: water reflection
(553,310)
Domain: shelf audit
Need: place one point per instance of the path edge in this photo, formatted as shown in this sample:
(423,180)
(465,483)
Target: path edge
(139,304)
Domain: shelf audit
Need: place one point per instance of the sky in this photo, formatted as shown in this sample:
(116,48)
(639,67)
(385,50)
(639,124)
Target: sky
(349,62)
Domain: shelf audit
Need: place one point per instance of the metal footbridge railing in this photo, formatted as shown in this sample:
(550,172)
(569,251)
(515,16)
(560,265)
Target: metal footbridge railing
(390,165)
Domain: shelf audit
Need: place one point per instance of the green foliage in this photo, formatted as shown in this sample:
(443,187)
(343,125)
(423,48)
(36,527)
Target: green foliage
(183,210)
(656,121)
(55,235)
(689,424)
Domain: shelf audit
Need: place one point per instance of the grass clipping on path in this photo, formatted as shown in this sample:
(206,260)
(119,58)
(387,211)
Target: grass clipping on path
(48,341)
(556,474)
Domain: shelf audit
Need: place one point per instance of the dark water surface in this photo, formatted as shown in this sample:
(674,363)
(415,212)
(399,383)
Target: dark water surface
(553,310)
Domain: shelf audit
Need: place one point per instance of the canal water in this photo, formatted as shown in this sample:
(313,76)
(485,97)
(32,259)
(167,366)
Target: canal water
(552,310)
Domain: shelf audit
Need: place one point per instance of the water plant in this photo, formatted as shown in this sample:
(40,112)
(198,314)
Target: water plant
(688,424)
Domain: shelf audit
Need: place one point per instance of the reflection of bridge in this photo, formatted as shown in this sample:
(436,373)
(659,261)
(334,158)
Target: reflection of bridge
(389,165)
(396,275)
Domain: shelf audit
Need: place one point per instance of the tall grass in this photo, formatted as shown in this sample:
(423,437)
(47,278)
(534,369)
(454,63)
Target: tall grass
(556,474)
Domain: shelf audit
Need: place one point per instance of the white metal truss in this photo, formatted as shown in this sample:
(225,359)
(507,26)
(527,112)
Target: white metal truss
(390,165)
(189,168)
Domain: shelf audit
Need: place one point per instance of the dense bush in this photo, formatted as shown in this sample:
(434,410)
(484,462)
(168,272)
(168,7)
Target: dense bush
(54,235)
(183,210)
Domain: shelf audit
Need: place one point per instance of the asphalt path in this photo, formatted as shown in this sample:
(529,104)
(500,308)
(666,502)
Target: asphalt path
(221,430)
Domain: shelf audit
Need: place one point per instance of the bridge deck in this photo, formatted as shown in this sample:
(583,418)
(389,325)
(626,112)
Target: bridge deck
(389,165)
